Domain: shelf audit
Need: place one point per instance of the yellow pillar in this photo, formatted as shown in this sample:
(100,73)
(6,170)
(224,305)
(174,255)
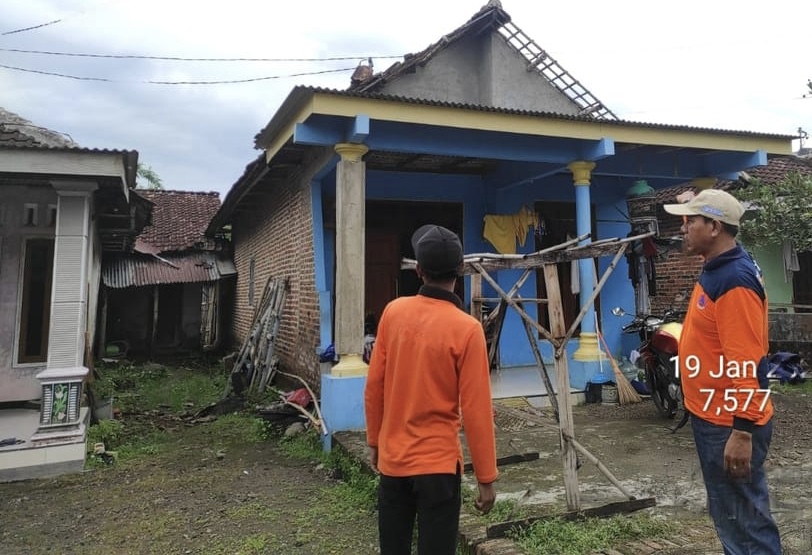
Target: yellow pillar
(588,349)
(350,260)
(702,183)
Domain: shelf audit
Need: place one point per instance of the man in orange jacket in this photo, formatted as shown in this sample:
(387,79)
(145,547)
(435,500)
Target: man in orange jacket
(429,367)
(722,367)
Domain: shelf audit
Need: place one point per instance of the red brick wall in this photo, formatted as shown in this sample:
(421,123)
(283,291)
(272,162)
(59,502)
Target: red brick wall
(276,229)
(676,272)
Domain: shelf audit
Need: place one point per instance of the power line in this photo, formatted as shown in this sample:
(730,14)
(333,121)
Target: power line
(55,21)
(180,59)
(155,82)
(47,23)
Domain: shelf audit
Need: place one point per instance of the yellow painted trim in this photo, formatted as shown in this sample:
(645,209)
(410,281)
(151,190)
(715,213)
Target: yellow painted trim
(581,171)
(281,138)
(350,365)
(446,116)
(351,152)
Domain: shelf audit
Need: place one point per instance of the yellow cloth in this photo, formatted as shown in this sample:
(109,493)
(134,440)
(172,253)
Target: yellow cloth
(502,231)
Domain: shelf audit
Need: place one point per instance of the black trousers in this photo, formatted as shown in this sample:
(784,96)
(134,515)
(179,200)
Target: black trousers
(434,499)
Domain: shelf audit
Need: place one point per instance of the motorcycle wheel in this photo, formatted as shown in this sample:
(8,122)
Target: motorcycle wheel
(666,405)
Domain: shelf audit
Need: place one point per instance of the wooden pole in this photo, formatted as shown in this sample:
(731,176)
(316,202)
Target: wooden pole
(476,296)
(534,346)
(595,293)
(512,303)
(594,460)
(566,425)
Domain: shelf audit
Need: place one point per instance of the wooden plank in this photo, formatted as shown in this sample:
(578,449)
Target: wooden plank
(558,330)
(501,529)
(604,247)
(509,459)
(534,346)
(476,296)
(494,333)
(512,302)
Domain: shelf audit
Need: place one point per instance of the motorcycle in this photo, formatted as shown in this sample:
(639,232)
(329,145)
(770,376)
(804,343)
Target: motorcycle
(659,338)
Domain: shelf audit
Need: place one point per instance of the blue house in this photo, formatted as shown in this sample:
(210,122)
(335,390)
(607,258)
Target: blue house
(482,132)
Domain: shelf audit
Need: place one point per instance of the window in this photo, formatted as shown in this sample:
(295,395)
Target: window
(52,215)
(35,305)
(30,215)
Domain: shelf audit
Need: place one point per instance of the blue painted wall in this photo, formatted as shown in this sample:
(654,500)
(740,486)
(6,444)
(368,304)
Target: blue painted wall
(497,195)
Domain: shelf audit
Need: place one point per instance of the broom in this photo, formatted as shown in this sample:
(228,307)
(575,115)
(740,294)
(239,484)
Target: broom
(626,393)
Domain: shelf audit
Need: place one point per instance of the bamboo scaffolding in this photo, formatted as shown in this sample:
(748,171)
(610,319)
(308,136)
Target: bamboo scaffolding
(558,334)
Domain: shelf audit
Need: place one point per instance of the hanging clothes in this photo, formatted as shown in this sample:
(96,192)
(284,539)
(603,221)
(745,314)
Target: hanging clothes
(791,263)
(503,231)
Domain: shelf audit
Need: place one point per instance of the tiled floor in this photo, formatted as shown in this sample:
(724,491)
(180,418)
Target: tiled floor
(18,423)
(523,381)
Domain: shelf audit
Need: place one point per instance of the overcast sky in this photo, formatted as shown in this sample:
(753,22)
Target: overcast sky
(709,63)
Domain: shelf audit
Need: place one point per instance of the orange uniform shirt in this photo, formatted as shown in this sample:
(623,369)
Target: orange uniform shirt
(724,341)
(429,367)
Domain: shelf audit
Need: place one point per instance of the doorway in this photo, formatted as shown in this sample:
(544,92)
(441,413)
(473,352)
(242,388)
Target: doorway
(389,229)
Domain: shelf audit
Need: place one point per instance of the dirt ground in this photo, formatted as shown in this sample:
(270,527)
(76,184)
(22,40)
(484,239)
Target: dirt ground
(649,461)
(208,494)
(201,495)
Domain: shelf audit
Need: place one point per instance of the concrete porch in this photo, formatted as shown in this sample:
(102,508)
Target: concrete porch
(526,382)
(39,455)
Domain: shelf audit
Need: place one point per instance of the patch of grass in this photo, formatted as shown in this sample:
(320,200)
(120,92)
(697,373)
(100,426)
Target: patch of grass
(357,489)
(803,388)
(154,386)
(108,432)
(253,545)
(504,510)
(562,537)
(241,428)
(303,447)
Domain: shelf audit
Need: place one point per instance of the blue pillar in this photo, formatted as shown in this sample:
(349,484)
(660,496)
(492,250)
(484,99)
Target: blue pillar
(588,348)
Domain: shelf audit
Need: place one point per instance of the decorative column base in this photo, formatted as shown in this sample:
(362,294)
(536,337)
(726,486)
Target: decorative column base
(588,349)
(61,398)
(342,405)
(350,365)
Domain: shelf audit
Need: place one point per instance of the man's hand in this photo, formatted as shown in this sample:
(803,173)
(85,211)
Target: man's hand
(738,453)
(487,496)
(373,458)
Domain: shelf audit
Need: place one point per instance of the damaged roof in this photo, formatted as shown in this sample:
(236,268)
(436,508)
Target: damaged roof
(492,18)
(16,131)
(137,270)
(179,219)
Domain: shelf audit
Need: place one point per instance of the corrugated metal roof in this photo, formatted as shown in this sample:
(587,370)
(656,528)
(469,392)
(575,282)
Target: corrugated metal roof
(139,270)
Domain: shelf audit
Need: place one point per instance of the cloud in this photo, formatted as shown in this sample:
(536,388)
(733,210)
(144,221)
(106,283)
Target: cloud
(701,63)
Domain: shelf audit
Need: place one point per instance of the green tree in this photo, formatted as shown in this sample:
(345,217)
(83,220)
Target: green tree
(779,212)
(146,178)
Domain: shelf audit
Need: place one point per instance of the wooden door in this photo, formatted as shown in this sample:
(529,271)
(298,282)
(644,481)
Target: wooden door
(382,271)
